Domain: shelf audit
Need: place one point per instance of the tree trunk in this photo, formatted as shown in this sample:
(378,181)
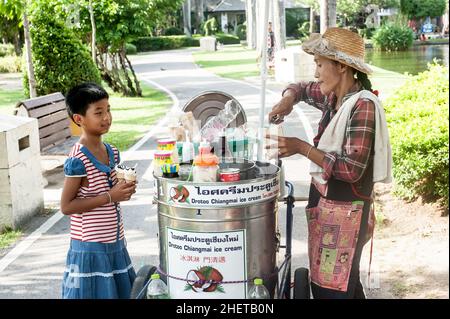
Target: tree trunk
(115,74)
(17,44)
(312,21)
(136,81)
(102,58)
(259,24)
(30,68)
(279,24)
(187,17)
(94,31)
(250,11)
(200,6)
(121,56)
(327,14)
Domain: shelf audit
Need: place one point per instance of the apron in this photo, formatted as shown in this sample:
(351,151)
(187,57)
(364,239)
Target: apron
(340,219)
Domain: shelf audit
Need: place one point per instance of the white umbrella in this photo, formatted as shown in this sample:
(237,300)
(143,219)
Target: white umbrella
(263,73)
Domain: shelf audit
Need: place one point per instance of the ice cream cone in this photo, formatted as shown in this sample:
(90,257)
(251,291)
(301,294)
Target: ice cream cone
(120,171)
(130,174)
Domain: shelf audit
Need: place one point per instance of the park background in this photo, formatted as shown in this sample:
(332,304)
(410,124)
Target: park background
(50,45)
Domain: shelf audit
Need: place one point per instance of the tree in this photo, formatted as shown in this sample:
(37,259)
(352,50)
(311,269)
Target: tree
(187,17)
(418,9)
(327,14)
(94,30)
(11,28)
(200,18)
(255,24)
(314,9)
(349,10)
(279,23)
(14,9)
(61,60)
(250,13)
(118,22)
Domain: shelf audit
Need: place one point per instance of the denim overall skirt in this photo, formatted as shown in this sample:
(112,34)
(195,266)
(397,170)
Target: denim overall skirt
(97,270)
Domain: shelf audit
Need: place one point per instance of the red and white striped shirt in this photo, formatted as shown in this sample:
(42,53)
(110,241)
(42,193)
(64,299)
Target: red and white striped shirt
(102,224)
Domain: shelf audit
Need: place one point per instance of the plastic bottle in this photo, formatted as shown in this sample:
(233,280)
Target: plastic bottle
(223,149)
(271,154)
(258,290)
(205,164)
(157,289)
(188,150)
(215,125)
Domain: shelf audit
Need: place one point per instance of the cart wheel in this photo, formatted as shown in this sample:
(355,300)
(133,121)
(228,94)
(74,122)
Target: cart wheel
(301,284)
(142,277)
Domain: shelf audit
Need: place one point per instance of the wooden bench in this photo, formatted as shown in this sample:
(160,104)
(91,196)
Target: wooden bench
(53,120)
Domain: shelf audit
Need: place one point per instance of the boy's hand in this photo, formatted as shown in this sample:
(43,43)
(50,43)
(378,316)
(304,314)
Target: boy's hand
(122,191)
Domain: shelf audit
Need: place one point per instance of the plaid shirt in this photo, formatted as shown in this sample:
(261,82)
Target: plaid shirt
(357,148)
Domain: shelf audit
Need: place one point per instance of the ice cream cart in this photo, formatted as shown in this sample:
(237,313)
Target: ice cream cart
(216,237)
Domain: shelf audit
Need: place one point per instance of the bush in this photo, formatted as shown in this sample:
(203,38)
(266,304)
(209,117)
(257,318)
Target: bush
(210,27)
(227,38)
(10,64)
(303,31)
(130,48)
(241,32)
(6,50)
(165,43)
(417,116)
(60,60)
(173,31)
(294,19)
(367,33)
(392,37)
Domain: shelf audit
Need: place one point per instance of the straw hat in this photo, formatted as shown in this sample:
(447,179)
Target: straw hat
(340,45)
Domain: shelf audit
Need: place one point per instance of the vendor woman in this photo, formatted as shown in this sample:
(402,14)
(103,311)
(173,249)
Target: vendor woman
(350,153)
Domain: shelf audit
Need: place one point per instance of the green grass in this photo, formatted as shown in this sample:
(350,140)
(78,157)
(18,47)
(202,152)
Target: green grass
(235,62)
(8,236)
(9,99)
(133,116)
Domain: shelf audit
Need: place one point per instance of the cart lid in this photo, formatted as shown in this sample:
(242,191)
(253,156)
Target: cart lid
(209,103)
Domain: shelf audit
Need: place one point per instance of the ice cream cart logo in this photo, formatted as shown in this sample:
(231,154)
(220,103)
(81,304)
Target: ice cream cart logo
(179,194)
(238,190)
(204,279)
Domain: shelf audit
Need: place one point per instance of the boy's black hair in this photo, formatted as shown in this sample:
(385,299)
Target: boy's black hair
(79,97)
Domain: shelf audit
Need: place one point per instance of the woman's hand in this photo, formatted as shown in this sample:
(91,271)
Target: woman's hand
(122,191)
(282,108)
(287,146)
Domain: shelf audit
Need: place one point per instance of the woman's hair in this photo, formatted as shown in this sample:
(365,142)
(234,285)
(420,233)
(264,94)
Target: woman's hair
(360,76)
(79,97)
(364,80)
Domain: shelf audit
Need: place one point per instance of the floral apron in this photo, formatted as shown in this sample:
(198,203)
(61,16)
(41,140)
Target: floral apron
(333,234)
(335,220)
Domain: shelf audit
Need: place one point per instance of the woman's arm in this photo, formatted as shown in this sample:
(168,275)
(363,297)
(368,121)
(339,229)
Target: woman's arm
(351,165)
(308,92)
(288,146)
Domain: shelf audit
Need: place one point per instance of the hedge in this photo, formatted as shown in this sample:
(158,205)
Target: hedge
(227,38)
(178,41)
(392,37)
(418,116)
(60,59)
(10,64)
(164,43)
(6,49)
